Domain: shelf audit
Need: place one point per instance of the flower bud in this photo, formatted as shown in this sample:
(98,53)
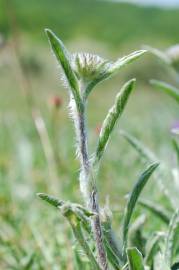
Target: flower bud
(88,67)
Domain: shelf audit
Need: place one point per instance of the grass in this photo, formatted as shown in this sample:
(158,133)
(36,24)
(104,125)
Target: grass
(24,171)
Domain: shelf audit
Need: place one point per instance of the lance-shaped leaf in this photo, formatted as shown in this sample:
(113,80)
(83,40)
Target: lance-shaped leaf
(171,239)
(156,209)
(124,61)
(135,260)
(137,189)
(82,213)
(167,88)
(50,199)
(77,216)
(144,153)
(113,68)
(112,117)
(63,58)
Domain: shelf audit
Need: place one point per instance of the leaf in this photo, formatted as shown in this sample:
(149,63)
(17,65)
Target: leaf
(146,155)
(135,259)
(156,209)
(63,58)
(152,247)
(81,212)
(143,151)
(136,237)
(78,262)
(122,62)
(137,189)
(113,115)
(171,238)
(176,148)
(50,199)
(114,251)
(166,88)
(77,219)
(115,67)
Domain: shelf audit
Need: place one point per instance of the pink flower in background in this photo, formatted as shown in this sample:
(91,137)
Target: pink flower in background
(56,101)
(175,127)
(98,129)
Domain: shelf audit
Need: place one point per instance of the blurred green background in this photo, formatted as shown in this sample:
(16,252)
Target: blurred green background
(37,152)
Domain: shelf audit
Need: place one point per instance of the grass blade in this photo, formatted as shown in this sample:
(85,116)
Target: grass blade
(112,117)
(144,153)
(176,148)
(133,199)
(152,247)
(135,259)
(167,88)
(156,209)
(172,238)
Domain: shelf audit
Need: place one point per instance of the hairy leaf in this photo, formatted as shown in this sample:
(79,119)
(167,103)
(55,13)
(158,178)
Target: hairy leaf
(50,199)
(124,61)
(112,117)
(63,58)
(115,67)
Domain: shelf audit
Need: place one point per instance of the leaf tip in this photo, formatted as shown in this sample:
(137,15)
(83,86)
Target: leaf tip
(50,199)
(154,165)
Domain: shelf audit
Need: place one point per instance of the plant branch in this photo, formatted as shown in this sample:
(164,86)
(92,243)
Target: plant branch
(89,189)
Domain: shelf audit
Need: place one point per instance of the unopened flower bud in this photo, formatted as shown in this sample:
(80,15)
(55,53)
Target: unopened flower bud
(88,67)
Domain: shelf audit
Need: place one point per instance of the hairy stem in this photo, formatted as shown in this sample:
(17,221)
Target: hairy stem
(89,189)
